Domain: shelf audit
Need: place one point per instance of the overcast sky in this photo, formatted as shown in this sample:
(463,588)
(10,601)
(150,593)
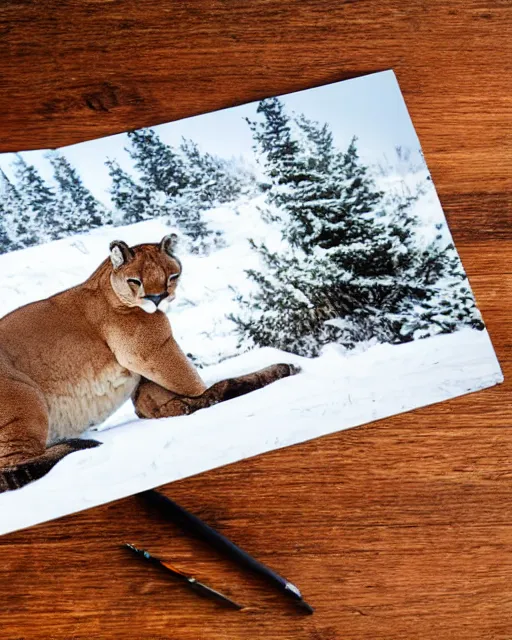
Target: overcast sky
(371,107)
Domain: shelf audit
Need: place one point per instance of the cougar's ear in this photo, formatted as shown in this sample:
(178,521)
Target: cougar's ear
(168,244)
(120,253)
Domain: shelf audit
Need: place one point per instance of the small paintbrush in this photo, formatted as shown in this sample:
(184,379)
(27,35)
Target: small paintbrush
(195,525)
(198,587)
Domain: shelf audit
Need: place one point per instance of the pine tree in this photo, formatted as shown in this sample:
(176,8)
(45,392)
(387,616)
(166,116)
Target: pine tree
(78,210)
(186,215)
(40,210)
(351,269)
(212,180)
(161,167)
(18,220)
(163,174)
(201,184)
(450,305)
(6,243)
(275,147)
(132,201)
(179,184)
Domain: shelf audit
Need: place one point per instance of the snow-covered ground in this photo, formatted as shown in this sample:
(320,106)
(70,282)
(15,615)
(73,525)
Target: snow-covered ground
(333,392)
(336,391)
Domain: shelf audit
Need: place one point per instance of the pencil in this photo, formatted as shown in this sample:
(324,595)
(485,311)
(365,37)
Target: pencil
(201,588)
(189,522)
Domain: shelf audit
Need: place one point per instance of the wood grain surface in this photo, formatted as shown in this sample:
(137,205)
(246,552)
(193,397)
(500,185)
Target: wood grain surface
(398,529)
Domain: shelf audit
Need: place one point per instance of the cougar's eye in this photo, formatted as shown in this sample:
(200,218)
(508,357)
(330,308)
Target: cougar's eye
(174,276)
(134,281)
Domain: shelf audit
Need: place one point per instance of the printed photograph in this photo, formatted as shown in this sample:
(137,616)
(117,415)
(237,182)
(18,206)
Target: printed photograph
(184,296)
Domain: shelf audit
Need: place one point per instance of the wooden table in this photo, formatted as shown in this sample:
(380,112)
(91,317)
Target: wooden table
(399,529)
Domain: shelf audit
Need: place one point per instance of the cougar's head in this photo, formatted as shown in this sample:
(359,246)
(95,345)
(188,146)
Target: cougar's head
(146,275)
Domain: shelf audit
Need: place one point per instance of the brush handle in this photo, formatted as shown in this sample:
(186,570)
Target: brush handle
(195,525)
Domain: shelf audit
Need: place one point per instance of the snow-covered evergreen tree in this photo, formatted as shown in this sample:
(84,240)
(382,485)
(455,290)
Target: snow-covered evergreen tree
(6,242)
(178,184)
(10,210)
(18,218)
(164,179)
(77,210)
(276,147)
(212,180)
(160,166)
(39,205)
(449,306)
(349,268)
(133,202)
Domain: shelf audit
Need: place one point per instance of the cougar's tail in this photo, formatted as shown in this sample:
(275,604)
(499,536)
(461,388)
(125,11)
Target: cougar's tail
(21,474)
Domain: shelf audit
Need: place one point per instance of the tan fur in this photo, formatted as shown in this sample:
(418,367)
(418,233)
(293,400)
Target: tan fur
(89,402)
(68,362)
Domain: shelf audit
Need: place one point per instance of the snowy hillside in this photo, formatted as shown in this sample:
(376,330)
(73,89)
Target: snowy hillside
(205,294)
(336,391)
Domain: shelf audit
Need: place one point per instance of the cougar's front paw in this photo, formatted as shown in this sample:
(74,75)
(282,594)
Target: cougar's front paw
(174,408)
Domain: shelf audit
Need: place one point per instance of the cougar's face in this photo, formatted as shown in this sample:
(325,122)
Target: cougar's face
(146,275)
